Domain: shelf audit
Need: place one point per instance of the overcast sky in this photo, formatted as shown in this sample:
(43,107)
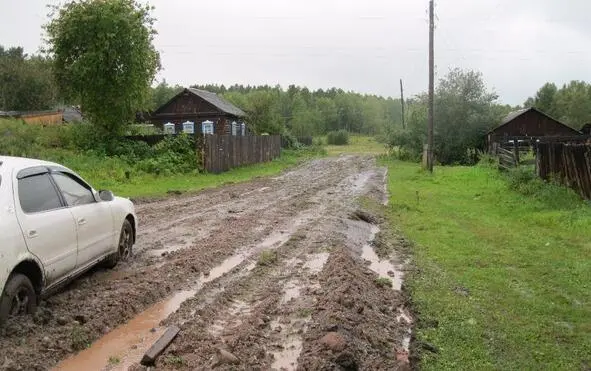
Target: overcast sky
(362,45)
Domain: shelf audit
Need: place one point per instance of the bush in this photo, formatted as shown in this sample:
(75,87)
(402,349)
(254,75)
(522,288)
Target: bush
(289,141)
(81,147)
(318,142)
(338,138)
(174,154)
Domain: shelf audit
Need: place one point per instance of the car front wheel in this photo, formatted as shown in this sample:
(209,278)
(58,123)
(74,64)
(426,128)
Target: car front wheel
(124,250)
(18,298)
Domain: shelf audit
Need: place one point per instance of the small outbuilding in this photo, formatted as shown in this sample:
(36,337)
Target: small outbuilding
(200,111)
(529,123)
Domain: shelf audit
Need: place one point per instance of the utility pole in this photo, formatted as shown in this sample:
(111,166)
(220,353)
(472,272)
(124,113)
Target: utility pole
(402,103)
(431,86)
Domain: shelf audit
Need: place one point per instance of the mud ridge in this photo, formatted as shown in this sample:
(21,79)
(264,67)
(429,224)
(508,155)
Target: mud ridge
(354,322)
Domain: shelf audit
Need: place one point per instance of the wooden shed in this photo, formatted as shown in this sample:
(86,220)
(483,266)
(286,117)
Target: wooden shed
(207,111)
(36,117)
(529,123)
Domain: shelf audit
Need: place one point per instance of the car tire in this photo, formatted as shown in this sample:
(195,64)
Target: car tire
(19,297)
(124,248)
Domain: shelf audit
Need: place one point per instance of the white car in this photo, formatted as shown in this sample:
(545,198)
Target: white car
(53,227)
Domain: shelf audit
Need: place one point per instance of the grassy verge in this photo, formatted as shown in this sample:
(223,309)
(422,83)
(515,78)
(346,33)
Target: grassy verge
(109,173)
(357,144)
(503,279)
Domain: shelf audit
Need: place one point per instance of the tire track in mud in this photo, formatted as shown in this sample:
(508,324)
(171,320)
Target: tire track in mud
(203,249)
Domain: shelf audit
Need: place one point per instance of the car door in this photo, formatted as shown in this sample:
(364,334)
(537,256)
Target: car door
(48,226)
(94,221)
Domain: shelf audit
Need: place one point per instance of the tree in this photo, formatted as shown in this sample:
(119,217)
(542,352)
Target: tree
(162,93)
(104,58)
(26,82)
(573,104)
(463,115)
(464,112)
(545,99)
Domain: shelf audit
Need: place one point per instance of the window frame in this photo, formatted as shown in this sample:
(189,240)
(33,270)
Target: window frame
(33,172)
(77,179)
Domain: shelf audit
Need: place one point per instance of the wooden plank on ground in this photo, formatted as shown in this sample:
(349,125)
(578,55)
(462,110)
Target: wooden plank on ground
(160,345)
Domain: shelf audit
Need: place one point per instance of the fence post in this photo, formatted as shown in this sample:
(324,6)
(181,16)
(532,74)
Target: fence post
(516,152)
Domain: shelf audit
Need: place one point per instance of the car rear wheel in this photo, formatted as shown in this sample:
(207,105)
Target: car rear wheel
(125,246)
(18,298)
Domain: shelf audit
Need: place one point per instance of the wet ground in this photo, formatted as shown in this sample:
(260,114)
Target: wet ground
(276,273)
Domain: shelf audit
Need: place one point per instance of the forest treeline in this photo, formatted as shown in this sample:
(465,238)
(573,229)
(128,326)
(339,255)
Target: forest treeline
(465,109)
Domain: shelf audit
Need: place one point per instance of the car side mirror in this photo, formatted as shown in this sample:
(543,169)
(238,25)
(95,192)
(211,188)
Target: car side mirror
(106,195)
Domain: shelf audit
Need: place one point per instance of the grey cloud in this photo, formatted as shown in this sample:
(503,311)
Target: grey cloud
(359,45)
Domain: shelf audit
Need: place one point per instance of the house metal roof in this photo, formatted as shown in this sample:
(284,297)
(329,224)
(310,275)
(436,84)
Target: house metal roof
(219,102)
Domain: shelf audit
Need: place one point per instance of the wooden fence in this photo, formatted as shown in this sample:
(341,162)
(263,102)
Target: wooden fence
(507,158)
(219,153)
(567,163)
(224,152)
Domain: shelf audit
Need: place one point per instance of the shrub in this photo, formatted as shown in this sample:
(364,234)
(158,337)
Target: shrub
(174,154)
(289,141)
(318,142)
(338,138)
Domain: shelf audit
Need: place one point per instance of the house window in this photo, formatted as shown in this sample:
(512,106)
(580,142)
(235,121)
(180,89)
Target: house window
(207,127)
(169,128)
(234,128)
(189,127)
(243,128)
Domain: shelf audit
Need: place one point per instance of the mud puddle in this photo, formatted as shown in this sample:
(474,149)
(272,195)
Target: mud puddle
(287,357)
(316,262)
(384,268)
(290,330)
(128,342)
(291,291)
(404,319)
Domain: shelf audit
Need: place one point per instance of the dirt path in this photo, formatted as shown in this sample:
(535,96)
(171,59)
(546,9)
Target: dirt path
(278,271)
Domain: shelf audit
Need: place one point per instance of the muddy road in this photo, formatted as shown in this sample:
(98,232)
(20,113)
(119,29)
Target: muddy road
(285,273)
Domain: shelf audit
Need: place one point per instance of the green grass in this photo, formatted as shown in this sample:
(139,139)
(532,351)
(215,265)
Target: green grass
(502,279)
(104,172)
(132,170)
(357,144)
(383,282)
(149,185)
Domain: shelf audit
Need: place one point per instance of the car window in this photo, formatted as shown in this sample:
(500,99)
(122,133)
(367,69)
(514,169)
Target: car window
(37,193)
(75,193)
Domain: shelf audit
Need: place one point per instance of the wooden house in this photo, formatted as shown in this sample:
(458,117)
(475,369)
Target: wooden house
(205,111)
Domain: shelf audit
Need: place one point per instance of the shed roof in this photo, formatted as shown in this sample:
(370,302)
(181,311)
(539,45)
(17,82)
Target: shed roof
(515,114)
(72,114)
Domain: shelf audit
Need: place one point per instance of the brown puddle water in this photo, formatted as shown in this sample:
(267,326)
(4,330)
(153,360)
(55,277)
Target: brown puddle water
(290,291)
(315,262)
(405,319)
(129,342)
(287,358)
(384,268)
